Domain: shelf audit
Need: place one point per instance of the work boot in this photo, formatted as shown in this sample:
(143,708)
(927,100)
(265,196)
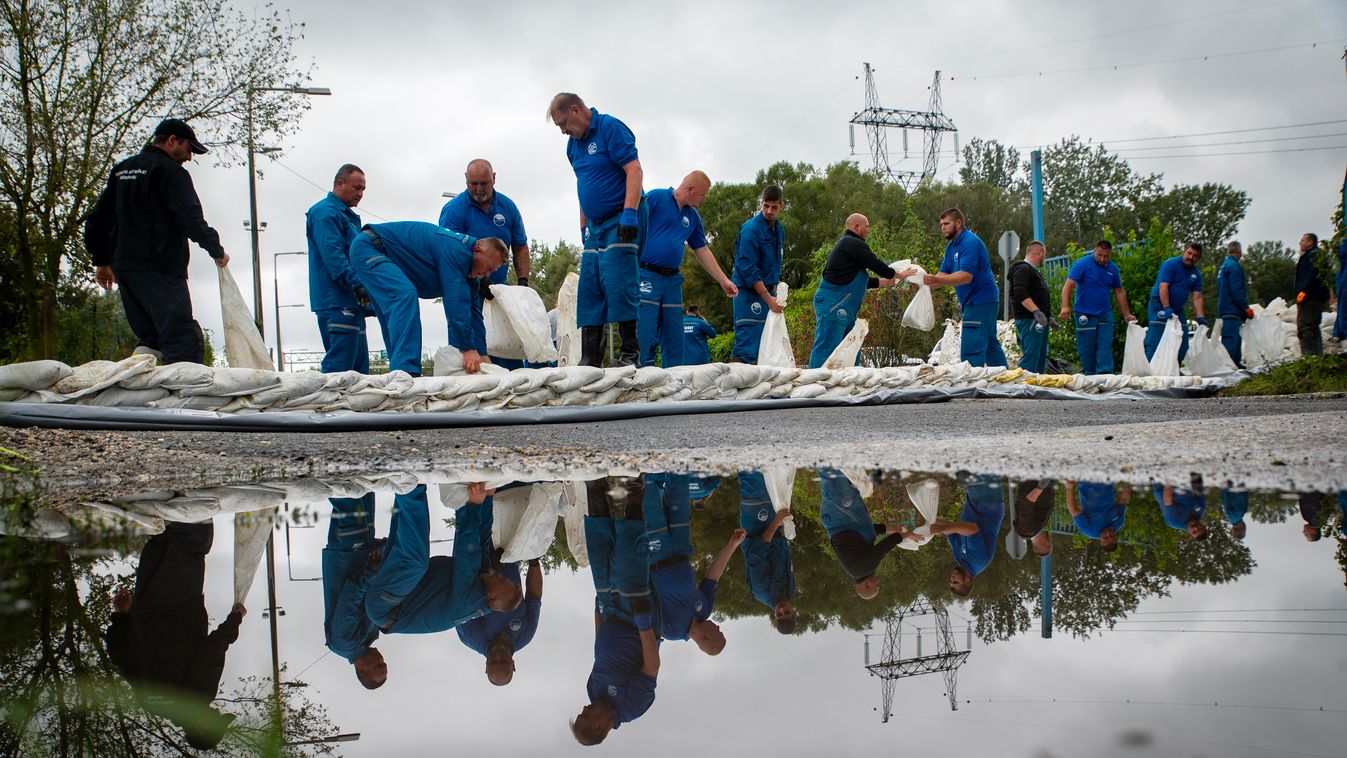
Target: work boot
(597,492)
(631,346)
(591,346)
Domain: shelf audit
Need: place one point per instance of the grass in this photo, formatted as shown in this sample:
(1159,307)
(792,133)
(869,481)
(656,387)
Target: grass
(1324,373)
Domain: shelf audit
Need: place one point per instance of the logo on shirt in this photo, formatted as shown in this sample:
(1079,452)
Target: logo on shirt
(516,624)
(1083,320)
(841,314)
(586,233)
(756,308)
(647,288)
(687,328)
(654,544)
(698,607)
(762,515)
(686,223)
(593,148)
(1192,276)
(612,690)
(499,219)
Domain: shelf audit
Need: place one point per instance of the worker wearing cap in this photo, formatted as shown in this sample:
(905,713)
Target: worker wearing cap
(1098,515)
(480,211)
(696,332)
(672,223)
(757,271)
(1179,278)
(602,151)
(1093,279)
(852,531)
(137,236)
(329,226)
(837,302)
(400,262)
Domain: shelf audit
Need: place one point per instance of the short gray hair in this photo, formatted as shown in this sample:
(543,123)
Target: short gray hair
(345,172)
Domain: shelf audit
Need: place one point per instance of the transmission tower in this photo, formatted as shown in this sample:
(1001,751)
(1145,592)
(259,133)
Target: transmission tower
(932,124)
(893,666)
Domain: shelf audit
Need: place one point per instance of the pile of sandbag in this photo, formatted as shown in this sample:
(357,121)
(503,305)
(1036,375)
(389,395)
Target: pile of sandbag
(947,349)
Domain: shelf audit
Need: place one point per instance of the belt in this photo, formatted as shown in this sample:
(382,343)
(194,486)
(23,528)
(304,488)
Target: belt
(374,239)
(672,560)
(661,270)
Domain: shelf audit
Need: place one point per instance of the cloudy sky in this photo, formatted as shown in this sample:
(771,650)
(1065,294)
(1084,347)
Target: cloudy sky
(419,89)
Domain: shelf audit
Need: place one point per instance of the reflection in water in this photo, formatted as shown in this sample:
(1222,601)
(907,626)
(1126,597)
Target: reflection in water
(833,554)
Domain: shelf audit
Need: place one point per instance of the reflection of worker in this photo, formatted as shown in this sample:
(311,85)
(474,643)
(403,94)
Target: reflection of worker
(696,332)
(1311,505)
(1098,515)
(621,685)
(347,631)
(1034,502)
(972,539)
(1179,277)
(842,288)
(682,604)
(498,636)
(1182,509)
(757,270)
(852,531)
(700,487)
(1235,505)
(158,638)
(1095,278)
(771,575)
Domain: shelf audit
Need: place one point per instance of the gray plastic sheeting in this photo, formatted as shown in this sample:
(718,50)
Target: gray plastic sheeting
(53,416)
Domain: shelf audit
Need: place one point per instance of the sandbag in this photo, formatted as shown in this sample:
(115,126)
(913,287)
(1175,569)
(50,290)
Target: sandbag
(517,325)
(33,375)
(96,376)
(1262,336)
(1206,355)
(844,355)
(775,349)
(449,362)
(244,347)
(575,504)
(780,481)
(532,526)
(1165,361)
(568,334)
(1134,351)
(920,313)
(175,376)
(925,495)
(251,532)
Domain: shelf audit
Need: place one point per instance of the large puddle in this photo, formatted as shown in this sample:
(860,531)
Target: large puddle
(856,612)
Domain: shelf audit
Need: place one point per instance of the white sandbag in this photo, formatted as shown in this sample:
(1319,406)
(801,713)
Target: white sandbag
(860,479)
(173,377)
(925,495)
(244,347)
(567,378)
(1134,351)
(946,351)
(575,504)
(1165,361)
(774,348)
(517,326)
(844,355)
(449,362)
(33,375)
(808,390)
(1207,356)
(193,402)
(236,382)
(610,378)
(920,313)
(120,397)
(96,376)
(534,527)
(780,482)
(251,532)
(1262,336)
(540,396)
(292,385)
(568,334)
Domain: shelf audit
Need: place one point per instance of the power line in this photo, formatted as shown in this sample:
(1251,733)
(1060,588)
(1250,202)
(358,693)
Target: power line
(1246,152)
(1227,131)
(318,186)
(1129,701)
(1231,621)
(1245,610)
(1233,631)
(1337,135)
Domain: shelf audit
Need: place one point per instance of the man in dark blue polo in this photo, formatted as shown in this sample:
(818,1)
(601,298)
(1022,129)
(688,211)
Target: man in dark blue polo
(480,211)
(673,222)
(400,262)
(972,539)
(498,636)
(1178,279)
(696,332)
(852,531)
(757,270)
(1094,279)
(602,151)
(767,559)
(1182,509)
(1096,511)
(1232,302)
(329,226)
(968,268)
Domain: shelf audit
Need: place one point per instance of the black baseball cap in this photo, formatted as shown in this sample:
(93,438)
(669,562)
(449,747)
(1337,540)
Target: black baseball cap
(173,127)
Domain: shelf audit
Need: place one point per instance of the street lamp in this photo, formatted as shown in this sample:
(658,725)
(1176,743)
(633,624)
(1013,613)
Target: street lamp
(253,227)
(276,292)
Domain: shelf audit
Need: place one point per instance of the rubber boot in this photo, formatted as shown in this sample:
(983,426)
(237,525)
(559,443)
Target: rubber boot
(591,346)
(631,346)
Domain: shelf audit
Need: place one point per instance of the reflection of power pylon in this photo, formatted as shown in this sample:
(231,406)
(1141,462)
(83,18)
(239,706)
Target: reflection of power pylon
(893,666)
(932,124)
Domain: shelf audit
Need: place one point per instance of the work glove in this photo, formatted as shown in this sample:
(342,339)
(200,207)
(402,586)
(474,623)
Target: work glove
(484,289)
(1300,297)
(361,296)
(523,281)
(1202,321)
(627,230)
(1041,318)
(1248,313)
(1163,315)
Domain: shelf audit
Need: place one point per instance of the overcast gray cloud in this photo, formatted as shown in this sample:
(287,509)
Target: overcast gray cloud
(421,88)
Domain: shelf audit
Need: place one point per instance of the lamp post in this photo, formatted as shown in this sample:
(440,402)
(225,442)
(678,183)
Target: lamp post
(276,293)
(253,228)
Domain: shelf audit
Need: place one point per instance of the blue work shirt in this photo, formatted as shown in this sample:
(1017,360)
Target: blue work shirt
(616,676)
(501,219)
(1182,280)
(967,253)
(1235,504)
(700,487)
(451,591)
(1187,505)
(1094,286)
(681,599)
(1232,293)
(519,625)
(1099,509)
(695,350)
(438,263)
(757,253)
(598,158)
(669,228)
(985,506)
(329,227)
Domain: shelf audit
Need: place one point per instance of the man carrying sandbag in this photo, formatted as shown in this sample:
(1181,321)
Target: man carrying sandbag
(1093,278)
(1030,303)
(399,262)
(837,301)
(1178,278)
(757,271)
(1232,302)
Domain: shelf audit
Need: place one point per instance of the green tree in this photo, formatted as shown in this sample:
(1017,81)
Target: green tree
(1270,267)
(1207,213)
(991,163)
(549,266)
(1086,188)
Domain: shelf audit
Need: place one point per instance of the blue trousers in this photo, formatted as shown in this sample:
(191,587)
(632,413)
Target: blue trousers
(659,319)
(398,306)
(1033,345)
(406,557)
(1094,343)
(978,344)
(608,273)
(1231,340)
(617,560)
(750,315)
(344,343)
(668,516)
(841,508)
(835,309)
(1340,323)
(1155,330)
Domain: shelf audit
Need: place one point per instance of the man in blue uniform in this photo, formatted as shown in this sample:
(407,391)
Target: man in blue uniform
(621,686)
(1030,304)
(1179,277)
(767,559)
(852,531)
(968,268)
(329,226)
(696,331)
(480,211)
(1340,323)
(1093,279)
(1098,515)
(347,631)
(972,539)
(498,636)
(1182,509)
(602,151)
(1312,296)
(672,222)
(757,271)
(683,605)
(1232,302)
(399,262)
(1235,506)
(837,302)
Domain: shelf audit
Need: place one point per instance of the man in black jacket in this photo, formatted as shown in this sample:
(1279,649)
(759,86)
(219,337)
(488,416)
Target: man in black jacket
(137,237)
(852,531)
(1312,296)
(837,301)
(1031,304)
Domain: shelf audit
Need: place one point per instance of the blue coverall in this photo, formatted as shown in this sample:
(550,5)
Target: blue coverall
(1093,309)
(329,227)
(502,220)
(980,300)
(1187,505)
(696,331)
(771,575)
(1182,281)
(1232,305)
(1099,508)
(985,505)
(347,631)
(607,291)
(757,258)
(835,311)
(660,314)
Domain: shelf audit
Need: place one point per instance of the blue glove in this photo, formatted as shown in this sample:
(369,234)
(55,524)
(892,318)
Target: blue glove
(1202,321)
(1163,314)
(627,230)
